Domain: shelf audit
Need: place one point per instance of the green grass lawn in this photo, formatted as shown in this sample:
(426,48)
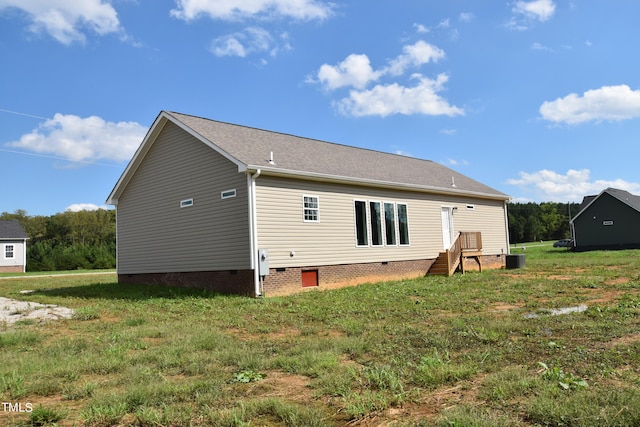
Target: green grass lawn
(481,349)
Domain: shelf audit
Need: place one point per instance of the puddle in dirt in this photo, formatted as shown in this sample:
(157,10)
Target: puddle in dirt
(556,311)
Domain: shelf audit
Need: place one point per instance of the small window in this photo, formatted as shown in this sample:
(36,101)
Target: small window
(362,238)
(311,209)
(9,251)
(186,203)
(228,194)
(403,224)
(390,223)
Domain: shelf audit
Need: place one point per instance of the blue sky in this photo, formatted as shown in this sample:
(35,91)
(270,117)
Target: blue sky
(538,99)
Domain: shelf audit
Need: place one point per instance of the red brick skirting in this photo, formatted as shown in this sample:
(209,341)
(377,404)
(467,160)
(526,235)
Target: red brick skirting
(11,269)
(283,281)
(226,282)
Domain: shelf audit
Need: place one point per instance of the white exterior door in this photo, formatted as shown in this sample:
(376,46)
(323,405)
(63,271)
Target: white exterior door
(447,228)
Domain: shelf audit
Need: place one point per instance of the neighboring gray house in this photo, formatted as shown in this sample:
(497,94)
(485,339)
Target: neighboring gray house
(13,244)
(609,220)
(243,210)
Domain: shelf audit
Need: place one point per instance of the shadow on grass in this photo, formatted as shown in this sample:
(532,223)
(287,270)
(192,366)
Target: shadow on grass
(131,292)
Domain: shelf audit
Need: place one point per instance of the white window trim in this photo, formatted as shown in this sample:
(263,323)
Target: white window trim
(395,222)
(367,225)
(305,208)
(383,236)
(13,251)
(186,203)
(228,194)
(406,205)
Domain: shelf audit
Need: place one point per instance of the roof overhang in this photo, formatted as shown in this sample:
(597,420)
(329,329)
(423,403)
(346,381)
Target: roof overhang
(336,179)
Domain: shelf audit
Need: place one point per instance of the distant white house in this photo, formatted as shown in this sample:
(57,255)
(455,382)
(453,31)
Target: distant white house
(249,211)
(13,244)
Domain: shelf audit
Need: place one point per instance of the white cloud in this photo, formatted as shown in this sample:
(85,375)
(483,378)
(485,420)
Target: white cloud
(83,139)
(384,100)
(391,98)
(526,12)
(65,20)
(539,46)
(234,10)
(415,55)
(251,40)
(466,17)
(354,71)
(549,186)
(421,29)
(77,207)
(541,10)
(612,103)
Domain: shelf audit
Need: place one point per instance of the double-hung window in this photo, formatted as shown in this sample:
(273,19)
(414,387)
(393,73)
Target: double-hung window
(311,208)
(9,251)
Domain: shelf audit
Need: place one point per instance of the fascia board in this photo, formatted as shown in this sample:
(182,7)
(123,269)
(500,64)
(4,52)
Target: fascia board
(310,176)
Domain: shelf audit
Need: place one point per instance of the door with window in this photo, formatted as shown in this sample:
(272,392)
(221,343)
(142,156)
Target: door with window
(447,227)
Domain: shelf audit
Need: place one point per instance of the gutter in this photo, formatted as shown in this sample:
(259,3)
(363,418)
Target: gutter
(314,176)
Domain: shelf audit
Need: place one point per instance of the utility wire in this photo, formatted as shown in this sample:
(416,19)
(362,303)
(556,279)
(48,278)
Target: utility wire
(23,114)
(58,158)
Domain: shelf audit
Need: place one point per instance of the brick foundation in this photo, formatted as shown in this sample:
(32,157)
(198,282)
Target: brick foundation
(488,261)
(11,269)
(225,282)
(282,281)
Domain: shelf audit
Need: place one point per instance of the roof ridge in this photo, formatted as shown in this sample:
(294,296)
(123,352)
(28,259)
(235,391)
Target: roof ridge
(301,137)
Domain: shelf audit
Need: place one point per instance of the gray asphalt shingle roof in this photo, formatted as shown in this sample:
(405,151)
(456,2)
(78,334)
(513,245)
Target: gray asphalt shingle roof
(12,230)
(293,154)
(622,195)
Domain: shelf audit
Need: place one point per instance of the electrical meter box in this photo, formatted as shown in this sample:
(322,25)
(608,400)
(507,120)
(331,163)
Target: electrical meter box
(263,262)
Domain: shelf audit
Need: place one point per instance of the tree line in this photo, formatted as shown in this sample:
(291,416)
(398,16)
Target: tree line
(530,222)
(87,239)
(69,240)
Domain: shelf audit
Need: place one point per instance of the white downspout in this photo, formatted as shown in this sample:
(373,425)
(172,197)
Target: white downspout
(24,256)
(253,227)
(506,226)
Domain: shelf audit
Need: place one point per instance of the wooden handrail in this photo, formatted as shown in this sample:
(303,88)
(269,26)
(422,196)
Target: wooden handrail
(471,240)
(453,254)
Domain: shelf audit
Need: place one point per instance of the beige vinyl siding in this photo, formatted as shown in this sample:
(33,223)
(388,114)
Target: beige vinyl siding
(156,235)
(332,240)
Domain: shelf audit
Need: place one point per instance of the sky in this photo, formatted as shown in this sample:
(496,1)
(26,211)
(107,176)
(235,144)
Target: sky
(538,99)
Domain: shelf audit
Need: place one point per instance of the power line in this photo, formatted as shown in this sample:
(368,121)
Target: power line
(58,158)
(23,114)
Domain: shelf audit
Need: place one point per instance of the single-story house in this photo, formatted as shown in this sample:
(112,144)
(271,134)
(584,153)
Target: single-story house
(242,210)
(13,244)
(609,220)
